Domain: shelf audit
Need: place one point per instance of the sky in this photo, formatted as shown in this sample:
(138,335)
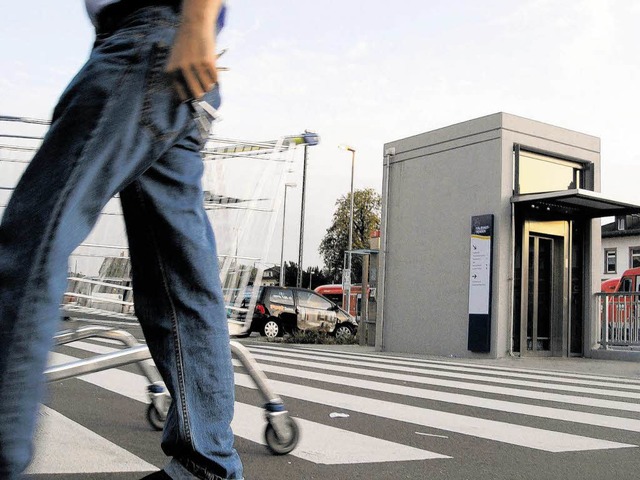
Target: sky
(367,73)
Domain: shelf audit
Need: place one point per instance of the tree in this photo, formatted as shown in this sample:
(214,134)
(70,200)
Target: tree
(313,276)
(367,205)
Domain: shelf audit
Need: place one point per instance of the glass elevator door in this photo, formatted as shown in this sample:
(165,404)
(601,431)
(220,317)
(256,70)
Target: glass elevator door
(544,313)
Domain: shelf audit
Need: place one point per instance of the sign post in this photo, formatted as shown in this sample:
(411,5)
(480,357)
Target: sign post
(480,275)
(346,289)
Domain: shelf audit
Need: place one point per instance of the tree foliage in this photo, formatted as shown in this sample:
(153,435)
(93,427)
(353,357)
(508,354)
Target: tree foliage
(367,205)
(313,276)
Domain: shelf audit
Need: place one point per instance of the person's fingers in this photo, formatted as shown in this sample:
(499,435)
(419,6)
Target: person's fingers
(212,73)
(192,81)
(180,85)
(203,80)
(207,75)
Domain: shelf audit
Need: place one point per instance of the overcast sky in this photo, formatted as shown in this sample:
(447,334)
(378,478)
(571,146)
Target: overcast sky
(366,73)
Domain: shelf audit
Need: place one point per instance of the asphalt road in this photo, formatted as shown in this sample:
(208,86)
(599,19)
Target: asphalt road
(365,415)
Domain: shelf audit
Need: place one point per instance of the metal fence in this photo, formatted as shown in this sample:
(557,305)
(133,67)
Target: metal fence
(619,320)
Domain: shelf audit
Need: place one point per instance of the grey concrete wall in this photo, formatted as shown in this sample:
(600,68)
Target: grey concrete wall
(436,182)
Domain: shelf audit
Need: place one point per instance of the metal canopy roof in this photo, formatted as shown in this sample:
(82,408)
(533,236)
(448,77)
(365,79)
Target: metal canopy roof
(576,202)
(362,251)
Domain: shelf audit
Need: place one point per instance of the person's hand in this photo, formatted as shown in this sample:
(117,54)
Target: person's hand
(192,62)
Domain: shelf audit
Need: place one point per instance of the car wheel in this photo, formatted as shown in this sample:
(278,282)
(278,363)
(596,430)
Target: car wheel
(271,329)
(344,331)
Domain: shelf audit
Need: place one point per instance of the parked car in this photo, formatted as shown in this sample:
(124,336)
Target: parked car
(282,310)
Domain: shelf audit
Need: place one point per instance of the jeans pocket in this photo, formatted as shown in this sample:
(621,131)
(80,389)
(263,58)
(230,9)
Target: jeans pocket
(161,108)
(212,97)
(205,113)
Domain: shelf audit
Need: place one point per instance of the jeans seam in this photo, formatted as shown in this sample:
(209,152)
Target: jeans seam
(197,470)
(174,323)
(154,81)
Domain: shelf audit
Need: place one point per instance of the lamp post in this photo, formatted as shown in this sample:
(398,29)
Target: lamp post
(348,274)
(310,139)
(284,217)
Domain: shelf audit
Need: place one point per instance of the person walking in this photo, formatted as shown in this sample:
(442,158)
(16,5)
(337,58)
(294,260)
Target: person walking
(124,125)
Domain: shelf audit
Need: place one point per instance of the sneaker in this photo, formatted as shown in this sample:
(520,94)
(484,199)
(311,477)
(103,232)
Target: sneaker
(161,475)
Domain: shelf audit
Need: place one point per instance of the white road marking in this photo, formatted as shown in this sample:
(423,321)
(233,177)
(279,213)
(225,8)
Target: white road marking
(566,377)
(63,446)
(580,417)
(319,443)
(464,376)
(480,388)
(620,423)
(530,437)
(329,445)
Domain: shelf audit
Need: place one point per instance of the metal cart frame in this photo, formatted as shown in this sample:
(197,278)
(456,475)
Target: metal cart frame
(281,432)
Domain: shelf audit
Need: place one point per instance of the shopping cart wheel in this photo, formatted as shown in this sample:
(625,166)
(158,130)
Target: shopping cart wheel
(279,446)
(154,417)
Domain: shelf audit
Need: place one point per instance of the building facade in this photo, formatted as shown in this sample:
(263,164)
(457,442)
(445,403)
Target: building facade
(620,246)
(490,240)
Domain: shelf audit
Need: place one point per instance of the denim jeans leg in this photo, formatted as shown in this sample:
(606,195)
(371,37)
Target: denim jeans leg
(114,120)
(54,206)
(178,300)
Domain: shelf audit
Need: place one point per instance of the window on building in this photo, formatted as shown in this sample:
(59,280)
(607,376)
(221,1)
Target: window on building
(621,223)
(610,260)
(634,257)
(538,173)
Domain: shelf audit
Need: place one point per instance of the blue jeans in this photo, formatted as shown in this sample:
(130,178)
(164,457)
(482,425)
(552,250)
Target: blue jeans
(120,128)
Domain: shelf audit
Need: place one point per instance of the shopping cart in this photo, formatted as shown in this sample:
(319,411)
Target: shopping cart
(243,208)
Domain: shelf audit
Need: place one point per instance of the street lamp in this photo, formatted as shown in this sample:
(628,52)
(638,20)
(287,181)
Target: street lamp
(310,139)
(347,277)
(284,216)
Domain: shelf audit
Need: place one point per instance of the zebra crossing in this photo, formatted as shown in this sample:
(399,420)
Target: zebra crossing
(389,410)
